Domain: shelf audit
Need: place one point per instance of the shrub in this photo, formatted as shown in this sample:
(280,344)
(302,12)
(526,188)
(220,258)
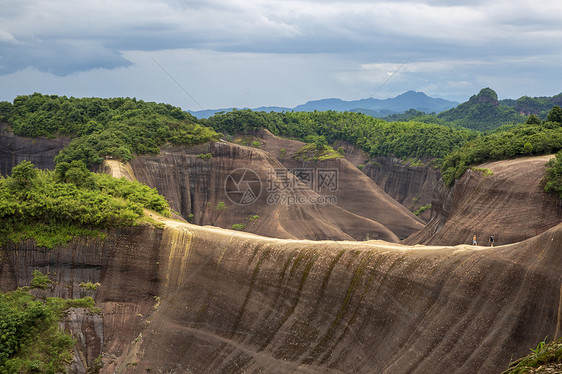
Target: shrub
(554,175)
(53,209)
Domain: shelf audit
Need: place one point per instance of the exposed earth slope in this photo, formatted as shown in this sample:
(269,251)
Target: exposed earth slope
(192,299)
(355,192)
(510,204)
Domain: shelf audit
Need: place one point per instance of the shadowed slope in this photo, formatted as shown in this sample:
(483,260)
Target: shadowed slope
(510,204)
(40,151)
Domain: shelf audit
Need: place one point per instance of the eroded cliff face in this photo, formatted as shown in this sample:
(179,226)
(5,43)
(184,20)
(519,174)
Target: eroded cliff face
(355,192)
(40,151)
(510,204)
(354,209)
(409,184)
(191,299)
(412,185)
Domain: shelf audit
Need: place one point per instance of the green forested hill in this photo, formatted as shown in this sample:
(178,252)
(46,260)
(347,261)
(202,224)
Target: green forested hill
(121,127)
(53,206)
(484,112)
(375,136)
(535,137)
(117,127)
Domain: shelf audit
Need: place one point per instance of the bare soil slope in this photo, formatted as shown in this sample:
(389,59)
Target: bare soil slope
(510,204)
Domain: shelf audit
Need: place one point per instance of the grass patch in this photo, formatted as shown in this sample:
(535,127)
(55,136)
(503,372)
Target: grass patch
(485,171)
(545,354)
(90,286)
(311,152)
(239,226)
(422,209)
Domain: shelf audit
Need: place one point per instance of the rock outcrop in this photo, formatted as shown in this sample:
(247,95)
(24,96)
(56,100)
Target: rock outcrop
(355,192)
(40,151)
(192,299)
(355,208)
(411,184)
(510,204)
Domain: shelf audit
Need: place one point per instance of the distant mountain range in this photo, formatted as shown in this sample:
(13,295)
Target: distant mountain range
(374,107)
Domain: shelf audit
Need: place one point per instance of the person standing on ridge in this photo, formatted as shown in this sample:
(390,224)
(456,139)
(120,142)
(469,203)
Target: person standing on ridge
(474,240)
(491,240)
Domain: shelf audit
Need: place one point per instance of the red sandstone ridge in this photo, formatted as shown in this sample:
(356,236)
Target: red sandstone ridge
(510,204)
(195,185)
(356,192)
(411,186)
(192,299)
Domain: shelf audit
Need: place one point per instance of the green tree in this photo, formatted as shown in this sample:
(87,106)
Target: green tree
(554,175)
(555,114)
(533,120)
(24,172)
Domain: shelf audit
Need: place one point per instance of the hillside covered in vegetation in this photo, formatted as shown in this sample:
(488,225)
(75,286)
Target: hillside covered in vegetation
(118,127)
(30,338)
(52,207)
(376,137)
(535,137)
(484,112)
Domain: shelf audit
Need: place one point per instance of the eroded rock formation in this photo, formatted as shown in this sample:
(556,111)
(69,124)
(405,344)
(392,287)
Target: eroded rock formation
(191,299)
(411,184)
(195,185)
(510,204)
(40,151)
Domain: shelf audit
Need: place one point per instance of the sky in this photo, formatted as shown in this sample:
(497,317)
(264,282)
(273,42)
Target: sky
(247,53)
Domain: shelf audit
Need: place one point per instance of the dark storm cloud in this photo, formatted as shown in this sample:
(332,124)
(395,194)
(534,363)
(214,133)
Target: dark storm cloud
(65,37)
(451,47)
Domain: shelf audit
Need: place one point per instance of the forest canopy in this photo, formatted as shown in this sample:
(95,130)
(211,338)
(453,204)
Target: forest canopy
(118,127)
(375,136)
(52,207)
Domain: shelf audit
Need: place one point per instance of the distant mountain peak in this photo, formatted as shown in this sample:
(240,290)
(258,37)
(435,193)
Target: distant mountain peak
(486,95)
(377,107)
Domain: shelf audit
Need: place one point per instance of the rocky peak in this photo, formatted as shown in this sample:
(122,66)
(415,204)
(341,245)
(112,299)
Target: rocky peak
(486,95)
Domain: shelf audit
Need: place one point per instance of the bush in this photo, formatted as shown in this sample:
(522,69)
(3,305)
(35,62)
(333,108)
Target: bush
(554,175)
(71,201)
(30,337)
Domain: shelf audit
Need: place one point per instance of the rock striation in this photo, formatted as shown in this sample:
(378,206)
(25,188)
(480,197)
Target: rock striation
(410,184)
(192,299)
(510,204)
(195,185)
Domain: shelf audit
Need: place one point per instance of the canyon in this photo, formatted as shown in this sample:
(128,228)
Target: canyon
(359,286)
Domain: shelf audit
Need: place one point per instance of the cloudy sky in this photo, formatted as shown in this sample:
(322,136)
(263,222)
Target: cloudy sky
(218,53)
